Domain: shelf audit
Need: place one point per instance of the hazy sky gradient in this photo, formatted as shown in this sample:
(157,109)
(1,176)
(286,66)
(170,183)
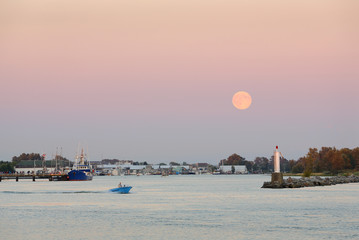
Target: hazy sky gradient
(153,80)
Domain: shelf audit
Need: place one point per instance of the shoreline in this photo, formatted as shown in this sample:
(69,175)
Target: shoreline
(311,182)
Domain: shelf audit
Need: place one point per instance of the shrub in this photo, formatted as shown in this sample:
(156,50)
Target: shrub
(307,173)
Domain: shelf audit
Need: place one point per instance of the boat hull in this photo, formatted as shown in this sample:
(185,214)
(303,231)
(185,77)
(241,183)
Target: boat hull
(78,175)
(121,189)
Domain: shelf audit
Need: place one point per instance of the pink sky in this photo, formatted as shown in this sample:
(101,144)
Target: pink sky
(153,80)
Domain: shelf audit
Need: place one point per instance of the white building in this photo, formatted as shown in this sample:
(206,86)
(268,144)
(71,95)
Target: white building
(238,169)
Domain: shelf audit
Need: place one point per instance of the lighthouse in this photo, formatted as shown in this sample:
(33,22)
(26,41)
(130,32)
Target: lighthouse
(276,160)
(277,176)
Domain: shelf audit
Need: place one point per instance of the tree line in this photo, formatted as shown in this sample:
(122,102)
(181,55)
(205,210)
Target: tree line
(26,156)
(327,159)
(10,166)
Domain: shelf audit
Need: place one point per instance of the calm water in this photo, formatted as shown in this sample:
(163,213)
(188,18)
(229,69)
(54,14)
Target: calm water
(176,207)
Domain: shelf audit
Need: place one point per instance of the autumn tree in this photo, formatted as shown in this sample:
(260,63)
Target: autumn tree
(235,159)
(299,166)
(327,159)
(349,161)
(26,156)
(324,156)
(355,155)
(311,160)
(337,162)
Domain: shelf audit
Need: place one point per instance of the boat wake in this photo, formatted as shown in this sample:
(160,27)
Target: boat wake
(61,192)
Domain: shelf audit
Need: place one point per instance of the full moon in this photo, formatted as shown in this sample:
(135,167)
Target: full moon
(242,100)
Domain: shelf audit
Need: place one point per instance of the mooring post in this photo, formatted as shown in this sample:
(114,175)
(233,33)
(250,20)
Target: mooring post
(0,179)
(17,178)
(33,178)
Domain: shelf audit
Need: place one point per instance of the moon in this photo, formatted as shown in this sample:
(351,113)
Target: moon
(242,100)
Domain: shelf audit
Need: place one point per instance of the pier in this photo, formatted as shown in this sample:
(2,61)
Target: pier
(17,177)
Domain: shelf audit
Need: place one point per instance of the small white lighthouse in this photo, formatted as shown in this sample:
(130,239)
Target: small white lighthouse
(277,176)
(276,160)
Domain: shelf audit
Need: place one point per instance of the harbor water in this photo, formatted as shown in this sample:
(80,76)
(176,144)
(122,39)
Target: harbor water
(176,207)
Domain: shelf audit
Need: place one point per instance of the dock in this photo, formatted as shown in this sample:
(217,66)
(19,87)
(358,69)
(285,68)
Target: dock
(51,177)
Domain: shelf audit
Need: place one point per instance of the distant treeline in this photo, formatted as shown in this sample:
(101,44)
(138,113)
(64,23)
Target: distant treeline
(26,156)
(16,160)
(32,157)
(327,159)
(259,165)
(10,166)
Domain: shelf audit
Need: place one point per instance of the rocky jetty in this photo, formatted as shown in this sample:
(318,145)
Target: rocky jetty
(310,182)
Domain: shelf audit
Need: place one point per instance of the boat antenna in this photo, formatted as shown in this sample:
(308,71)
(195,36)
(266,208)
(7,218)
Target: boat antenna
(87,155)
(77,155)
(63,160)
(57,148)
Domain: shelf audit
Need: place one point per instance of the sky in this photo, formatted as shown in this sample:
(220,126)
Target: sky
(153,80)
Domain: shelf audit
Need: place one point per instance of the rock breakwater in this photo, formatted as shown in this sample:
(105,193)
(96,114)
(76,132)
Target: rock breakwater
(311,182)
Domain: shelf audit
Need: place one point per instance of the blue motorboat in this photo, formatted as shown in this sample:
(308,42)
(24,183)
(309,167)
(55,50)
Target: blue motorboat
(82,170)
(121,189)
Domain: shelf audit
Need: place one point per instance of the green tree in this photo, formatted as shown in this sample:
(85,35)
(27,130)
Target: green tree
(261,164)
(284,165)
(299,166)
(212,168)
(6,167)
(249,166)
(291,165)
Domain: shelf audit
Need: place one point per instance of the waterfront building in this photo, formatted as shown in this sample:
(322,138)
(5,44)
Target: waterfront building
(200,168)
(238,169)
(184,169)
